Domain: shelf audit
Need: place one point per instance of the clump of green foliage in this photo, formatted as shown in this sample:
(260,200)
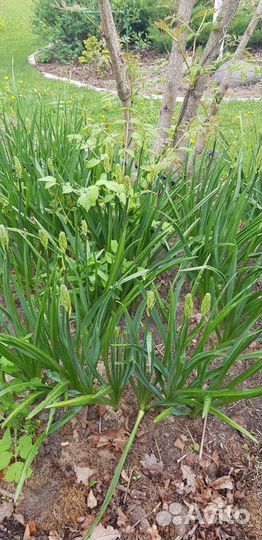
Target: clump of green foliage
(64,29)
(136,22)
(97,53)
(84,239)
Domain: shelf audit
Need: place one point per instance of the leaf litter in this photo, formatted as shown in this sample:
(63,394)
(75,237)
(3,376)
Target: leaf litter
(211,483)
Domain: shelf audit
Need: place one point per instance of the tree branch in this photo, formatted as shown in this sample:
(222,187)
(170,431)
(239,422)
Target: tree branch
(174,73)
(221,92)
(211,53)
(118,64)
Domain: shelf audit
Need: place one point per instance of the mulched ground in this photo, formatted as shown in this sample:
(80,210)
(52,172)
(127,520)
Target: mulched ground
(150,77)
(163,468)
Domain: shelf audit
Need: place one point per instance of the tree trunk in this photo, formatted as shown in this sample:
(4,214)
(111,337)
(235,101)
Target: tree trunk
(222,90)
(249,31)
(118,65)
(174,73)
(211,53)
(217,8)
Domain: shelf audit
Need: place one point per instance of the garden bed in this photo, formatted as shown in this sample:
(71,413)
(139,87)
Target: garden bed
(56,504)
(150,78)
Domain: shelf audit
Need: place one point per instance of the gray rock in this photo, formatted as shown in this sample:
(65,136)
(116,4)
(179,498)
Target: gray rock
(238,74)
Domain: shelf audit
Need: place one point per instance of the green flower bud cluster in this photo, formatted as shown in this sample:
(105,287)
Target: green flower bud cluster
(206,304)
(43,237)
(18,167)
(50,166)
(150,301)
(65,298)
(4,238)
(189,306)
(62,241)
(84,227)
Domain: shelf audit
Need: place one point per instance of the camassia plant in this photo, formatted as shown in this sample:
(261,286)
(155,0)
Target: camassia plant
(82,242)
(194,374)
(221,204)
(74,184)
(57,306)
(52,349)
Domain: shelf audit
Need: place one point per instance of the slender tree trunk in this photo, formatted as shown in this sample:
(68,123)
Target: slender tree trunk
(211,53)
(222,90)
(118,65)
(174,72)
(249,31)
(217,8)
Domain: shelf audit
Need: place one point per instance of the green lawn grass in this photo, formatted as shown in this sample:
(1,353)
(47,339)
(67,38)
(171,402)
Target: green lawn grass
(237,120)
(17,42)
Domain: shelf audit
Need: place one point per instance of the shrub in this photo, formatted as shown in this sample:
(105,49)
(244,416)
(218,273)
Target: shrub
(240,23)
(135,22)
(159,39)
(66,30)
(236,28)
(97,53)
(134,17)
(162,42)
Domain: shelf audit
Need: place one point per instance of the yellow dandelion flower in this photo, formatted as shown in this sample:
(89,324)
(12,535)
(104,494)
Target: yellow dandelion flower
(6,78)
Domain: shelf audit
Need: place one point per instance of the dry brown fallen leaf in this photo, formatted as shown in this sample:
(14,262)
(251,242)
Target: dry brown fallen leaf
(224,482)
(180,442)
(190,477)
(148,531)
(180,488)
(6,510)
(116,438)
(88,520)
(30,530)
(83,474)
(105,533)
(19,518)
(211,509)
(191,459)
(91,500)
(151,464)
(215,457)
(255,346)
(240,494)
(122,519)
